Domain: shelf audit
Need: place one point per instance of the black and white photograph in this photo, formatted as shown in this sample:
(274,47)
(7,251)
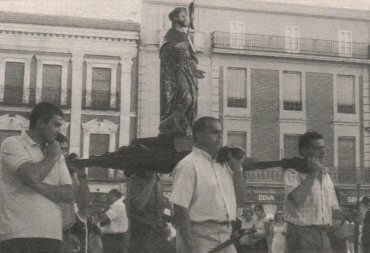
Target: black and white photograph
(184,126)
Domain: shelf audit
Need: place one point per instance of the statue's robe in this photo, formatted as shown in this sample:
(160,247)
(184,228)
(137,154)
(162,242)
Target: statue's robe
(178,84)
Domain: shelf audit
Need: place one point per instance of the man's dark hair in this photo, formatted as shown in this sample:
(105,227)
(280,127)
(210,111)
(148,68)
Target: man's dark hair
(175,13)
(201,124)
(305,140)
(116,193)
(45,112)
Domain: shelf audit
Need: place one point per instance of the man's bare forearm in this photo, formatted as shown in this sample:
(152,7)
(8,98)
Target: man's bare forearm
(31,173)
(299,194)
(56,193)
(183,223)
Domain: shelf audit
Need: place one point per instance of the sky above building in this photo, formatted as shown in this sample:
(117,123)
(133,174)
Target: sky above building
(130,9)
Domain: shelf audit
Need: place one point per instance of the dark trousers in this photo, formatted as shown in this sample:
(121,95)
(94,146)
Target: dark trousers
(115,243)
(31,245)
(146,239)
(307,239)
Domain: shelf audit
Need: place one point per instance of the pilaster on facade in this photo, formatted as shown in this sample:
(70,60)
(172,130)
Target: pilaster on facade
(19,58)
(76,94)
(125,99)
(100,63)
(52,60)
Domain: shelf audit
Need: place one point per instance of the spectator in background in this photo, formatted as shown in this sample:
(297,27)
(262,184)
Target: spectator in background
(34,180)
(248,222)
(277,233)
(114,224)
(259,239)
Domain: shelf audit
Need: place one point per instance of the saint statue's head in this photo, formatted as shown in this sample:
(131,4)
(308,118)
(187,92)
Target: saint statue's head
(179,16)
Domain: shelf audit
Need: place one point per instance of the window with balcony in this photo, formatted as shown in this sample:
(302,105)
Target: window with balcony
(291,145)
(346,94)
(101,86)
(237,30)
(99,145)
(292,39)
(14,82)
(292,91)
(51,83)
(346,159)
(237,87)
(237,139)
(345,43)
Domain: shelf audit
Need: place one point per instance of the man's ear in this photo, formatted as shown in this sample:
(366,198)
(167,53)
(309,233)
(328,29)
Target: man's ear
(40,122)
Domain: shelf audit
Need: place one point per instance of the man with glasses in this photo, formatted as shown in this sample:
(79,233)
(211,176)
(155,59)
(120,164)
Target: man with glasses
(310,199)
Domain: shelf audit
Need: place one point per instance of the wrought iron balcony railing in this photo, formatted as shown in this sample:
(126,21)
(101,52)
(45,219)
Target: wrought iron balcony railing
(339,175)
(101,100)
(292,105)
(347,108)
(19,96)
(280,44)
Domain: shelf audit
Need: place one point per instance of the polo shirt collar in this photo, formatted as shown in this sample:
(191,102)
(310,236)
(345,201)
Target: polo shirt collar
(202,153)
(27,139)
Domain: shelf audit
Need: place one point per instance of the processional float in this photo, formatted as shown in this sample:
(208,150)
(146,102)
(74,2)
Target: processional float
(161,154)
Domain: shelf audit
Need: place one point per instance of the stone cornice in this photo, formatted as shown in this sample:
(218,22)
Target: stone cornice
(42,31)
(66,36)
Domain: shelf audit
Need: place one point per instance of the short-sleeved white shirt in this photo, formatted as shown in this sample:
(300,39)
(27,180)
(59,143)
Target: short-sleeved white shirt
(25,213)
(205,187)
(321,200)
(118,218)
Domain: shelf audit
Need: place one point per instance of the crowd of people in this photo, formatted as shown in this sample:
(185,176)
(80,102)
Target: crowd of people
(45,204)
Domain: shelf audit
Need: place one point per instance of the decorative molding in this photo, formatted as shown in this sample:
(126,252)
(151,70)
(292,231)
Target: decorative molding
(16,122)
(99,127)
(100,38)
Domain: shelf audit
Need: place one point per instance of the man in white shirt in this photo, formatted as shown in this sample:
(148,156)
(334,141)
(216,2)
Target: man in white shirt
(114,224)
(204,192)
(310,200)
(34,180)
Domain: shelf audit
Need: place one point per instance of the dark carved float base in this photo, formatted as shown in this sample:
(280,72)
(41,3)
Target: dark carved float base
(157,154)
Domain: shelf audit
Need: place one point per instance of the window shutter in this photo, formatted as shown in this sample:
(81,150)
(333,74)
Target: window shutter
(99,145)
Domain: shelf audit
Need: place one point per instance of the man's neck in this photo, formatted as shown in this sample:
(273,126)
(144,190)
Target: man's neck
(205,149)
(35,137)
(179,28)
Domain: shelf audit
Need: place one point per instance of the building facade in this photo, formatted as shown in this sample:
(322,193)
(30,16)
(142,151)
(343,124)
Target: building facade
(274,71)
(87,67)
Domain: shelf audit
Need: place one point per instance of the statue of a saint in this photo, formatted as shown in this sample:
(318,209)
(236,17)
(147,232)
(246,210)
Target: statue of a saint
(178,78)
